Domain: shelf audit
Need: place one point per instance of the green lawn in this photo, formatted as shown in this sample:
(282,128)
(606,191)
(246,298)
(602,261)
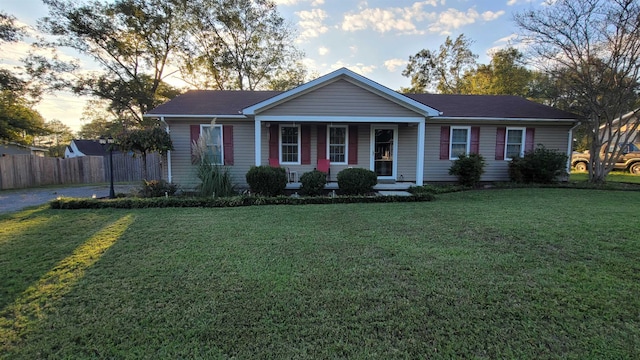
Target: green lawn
(614,176)
(512,273)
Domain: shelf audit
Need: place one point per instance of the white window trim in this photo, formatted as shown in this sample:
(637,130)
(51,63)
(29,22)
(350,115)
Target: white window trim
(346,143)
(203,128)
(468,145)
(522,142)
(280,144)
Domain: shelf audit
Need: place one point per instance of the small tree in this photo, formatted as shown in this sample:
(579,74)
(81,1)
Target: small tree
(468,169)
(145,141)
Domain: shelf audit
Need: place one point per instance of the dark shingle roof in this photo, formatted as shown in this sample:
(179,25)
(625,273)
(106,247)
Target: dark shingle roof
(489,106)
(90,147)
(216,102)
(212,102)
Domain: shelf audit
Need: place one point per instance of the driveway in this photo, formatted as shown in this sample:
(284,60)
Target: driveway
(14,200)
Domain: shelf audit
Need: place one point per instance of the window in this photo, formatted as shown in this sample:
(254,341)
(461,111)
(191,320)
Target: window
(338,144)
(514,143)
(213,140)
(290,144)
(459,143)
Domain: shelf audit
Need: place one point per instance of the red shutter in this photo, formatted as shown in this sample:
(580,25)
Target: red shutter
(501,133)
(195,135)
(274,152)
(444,142)
(353,145)
(227,136)
(305,139)
(322,142)
(529,142)
(475,140)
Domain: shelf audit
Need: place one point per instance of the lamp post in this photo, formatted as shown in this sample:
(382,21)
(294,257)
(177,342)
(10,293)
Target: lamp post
(110,141)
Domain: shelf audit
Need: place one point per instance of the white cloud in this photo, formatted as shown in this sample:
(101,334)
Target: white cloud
(353,49)
(323,50)
(295,2)
(311,23)
(452,19)
(384,20)
(359,68)
(393,64)
(507,39)
(490,15)
(514,2)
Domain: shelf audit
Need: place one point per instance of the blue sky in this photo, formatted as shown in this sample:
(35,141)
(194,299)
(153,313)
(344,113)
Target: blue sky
(374,38)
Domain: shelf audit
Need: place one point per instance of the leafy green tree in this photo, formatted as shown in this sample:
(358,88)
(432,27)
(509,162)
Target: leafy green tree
(58,138)
(241,45)
(590,47)
(19,122)
(145,141)
(441,70)
(504,75)
(99,121)
(132,40)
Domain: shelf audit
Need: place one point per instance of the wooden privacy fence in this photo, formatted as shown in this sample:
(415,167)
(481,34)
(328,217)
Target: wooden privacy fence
(127,167)
(24,171)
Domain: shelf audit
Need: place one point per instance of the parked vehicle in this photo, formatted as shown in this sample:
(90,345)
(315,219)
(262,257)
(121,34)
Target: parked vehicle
(629,160)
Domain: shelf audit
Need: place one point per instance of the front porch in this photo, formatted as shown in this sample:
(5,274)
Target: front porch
(395,186)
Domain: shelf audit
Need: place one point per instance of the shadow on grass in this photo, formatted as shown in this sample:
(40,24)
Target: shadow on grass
(38,300)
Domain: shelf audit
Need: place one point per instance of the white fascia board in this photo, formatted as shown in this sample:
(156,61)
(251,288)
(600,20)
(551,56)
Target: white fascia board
(355,79)
(339,119)
(194,116)
(472,119)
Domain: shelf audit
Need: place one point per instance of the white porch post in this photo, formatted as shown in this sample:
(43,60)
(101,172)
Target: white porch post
(258,138)
(420,157)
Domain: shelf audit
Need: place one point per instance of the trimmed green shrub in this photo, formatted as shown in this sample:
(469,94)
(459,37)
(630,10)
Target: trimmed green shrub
(157,188)
(468,169)
(234,201)
(313,183)
(356,181)
(267,180)
(542,166)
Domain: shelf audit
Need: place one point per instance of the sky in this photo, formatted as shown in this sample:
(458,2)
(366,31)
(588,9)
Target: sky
(372,37)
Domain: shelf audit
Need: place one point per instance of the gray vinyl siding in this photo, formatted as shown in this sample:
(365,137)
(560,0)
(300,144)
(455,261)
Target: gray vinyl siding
(184,173)
(436,170)
(339,98)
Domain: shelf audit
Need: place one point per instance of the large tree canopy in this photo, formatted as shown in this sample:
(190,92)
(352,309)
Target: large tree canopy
(240,44)
(18,121)
(504,75)
(441,70)
(591,48)
(132,40)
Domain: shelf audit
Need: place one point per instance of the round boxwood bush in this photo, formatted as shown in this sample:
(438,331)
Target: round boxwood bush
(357,181)
(468,169)
(267,180)
(313,182)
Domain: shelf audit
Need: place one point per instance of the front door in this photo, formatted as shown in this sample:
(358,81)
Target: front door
(384,147)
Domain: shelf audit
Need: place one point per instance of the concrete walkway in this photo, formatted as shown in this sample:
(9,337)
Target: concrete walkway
(14,200)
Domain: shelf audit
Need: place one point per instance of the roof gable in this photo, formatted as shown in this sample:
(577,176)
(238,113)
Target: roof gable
(347,75)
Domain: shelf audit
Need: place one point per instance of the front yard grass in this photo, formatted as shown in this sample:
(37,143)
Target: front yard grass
(510,273)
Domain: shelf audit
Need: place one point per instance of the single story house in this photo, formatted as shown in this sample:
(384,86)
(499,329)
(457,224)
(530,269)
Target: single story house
(78,148)
(13,148)
(623,126)
(343,120)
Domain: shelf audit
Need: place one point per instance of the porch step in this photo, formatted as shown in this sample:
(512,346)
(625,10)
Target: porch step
(398,186)
(394,193)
